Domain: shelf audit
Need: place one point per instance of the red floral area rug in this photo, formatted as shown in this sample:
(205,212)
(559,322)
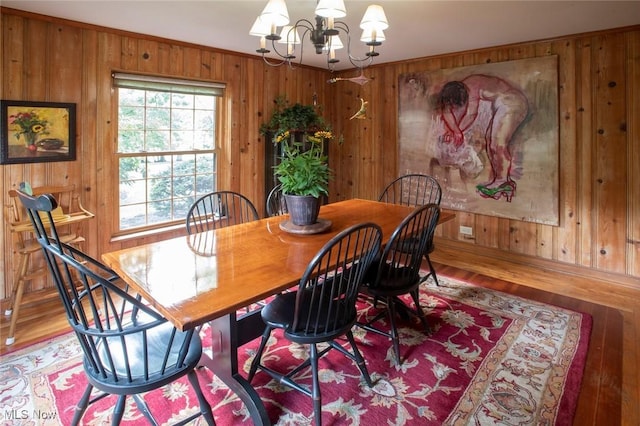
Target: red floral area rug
(490,358)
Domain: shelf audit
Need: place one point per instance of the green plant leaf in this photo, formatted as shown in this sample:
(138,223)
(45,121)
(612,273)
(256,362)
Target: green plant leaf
(303,169)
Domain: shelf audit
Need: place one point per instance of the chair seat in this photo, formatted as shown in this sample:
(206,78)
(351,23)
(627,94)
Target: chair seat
(391,283)
(409,242)
(280,312)
(156,348)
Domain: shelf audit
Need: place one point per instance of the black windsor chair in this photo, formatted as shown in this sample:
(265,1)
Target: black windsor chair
(128,347)
(415,190)
(323,308)
(219,209)
(276,204)
(397,272)
(412,190)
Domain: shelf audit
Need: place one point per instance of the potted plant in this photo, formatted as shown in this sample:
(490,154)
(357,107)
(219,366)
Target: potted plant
(303,170)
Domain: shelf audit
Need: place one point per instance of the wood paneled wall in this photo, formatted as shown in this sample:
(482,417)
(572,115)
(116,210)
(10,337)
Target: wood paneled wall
(49,59)
(599,103)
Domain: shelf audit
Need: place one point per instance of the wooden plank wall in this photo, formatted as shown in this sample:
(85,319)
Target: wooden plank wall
(599,142)
(49,59)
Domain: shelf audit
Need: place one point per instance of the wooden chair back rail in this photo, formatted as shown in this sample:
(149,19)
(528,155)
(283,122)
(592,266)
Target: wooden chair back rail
(67,197)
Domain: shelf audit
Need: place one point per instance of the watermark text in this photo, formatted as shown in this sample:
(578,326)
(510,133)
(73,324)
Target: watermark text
(28,415)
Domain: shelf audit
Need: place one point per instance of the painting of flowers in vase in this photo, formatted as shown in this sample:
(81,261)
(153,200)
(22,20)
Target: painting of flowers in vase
(37,132)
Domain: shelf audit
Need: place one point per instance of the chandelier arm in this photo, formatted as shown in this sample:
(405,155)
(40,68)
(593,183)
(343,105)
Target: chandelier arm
(272,64)
(286,58)
(301,23)
(361,62)
(302,37)
(341,25)
(356,61)
(307,30)
(275,50)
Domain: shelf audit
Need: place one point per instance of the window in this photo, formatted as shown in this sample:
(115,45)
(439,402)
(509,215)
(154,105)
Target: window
(166,147)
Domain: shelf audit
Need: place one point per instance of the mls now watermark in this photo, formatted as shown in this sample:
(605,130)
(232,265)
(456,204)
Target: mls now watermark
(29,415)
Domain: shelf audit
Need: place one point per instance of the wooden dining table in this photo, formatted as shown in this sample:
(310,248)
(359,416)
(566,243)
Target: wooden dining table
(212,276)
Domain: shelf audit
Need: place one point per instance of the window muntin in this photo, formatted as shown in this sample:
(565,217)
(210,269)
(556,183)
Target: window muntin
(166,152)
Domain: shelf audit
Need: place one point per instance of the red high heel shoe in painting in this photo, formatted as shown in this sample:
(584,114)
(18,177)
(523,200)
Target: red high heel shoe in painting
(506,189)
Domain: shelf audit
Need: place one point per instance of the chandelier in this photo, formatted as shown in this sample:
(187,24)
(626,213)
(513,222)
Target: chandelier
(324,34)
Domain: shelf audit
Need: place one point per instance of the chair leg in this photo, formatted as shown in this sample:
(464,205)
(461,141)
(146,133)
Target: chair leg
(82,405)
(315,390)
(144,408)
(433,270)
(415,295)
(360,362)
(205,408)
(393,330)
(118,411)
(256,359)
(16,298)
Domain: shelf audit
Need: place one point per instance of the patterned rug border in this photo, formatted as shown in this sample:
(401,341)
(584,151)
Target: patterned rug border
(570,389)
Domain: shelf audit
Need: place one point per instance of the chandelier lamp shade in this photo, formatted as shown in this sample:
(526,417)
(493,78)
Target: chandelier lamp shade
(274,30)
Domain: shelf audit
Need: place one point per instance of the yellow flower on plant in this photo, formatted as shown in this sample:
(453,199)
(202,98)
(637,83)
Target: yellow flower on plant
(323,134)
(320,136)
(37,128)
(282,136)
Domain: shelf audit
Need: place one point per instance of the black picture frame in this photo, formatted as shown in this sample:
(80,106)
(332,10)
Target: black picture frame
(36,132)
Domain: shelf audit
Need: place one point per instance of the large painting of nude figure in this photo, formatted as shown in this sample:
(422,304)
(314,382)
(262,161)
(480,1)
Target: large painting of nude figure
(488,133)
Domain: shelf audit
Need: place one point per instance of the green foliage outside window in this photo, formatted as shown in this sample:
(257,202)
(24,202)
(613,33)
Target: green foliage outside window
(166,145)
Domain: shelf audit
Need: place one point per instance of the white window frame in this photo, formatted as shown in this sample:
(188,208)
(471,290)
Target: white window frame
(174,154)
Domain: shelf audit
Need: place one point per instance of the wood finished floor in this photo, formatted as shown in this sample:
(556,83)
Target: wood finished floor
(610,388)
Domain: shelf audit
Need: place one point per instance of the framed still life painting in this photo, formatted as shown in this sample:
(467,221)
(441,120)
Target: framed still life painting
(34,132)
(488,133)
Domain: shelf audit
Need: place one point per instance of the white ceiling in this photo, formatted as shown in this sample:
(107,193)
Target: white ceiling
(417,28)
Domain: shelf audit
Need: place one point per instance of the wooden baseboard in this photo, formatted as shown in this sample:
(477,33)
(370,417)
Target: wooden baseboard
(32,298)
(542,264)
(613,290)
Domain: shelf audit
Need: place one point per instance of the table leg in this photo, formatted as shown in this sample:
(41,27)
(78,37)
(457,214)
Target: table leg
(226,336)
